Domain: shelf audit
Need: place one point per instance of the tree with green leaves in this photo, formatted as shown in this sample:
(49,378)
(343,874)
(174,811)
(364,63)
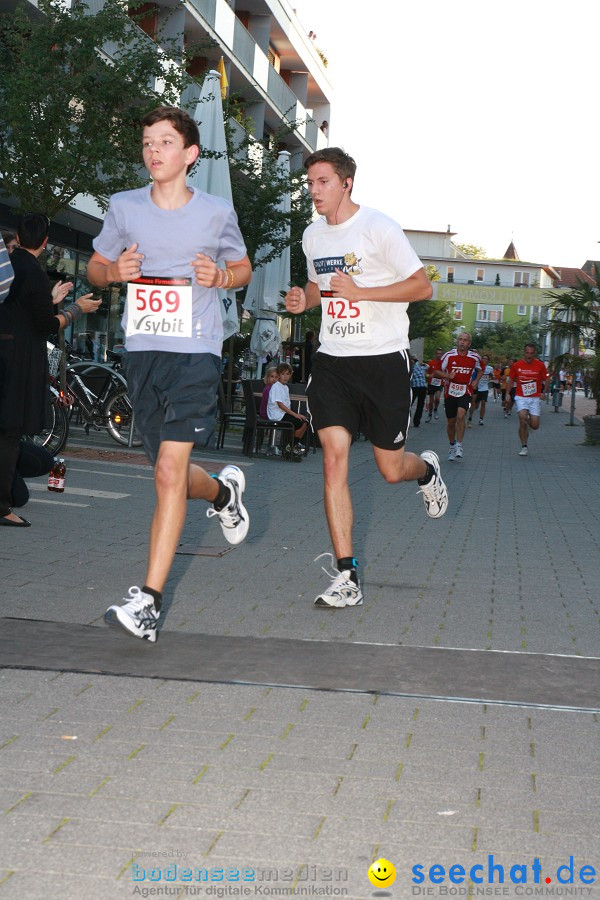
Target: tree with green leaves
(472,251)
(430,319)
(505,340)
(573,315)
(69,115)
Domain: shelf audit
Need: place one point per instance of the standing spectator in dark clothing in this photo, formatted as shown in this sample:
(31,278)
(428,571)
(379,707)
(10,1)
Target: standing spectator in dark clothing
(27,317)
(418,386)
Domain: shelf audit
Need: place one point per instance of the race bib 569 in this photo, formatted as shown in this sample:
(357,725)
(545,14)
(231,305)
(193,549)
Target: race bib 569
(160,306)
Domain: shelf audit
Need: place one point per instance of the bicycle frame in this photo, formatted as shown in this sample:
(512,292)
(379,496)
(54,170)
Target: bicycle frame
(92,404)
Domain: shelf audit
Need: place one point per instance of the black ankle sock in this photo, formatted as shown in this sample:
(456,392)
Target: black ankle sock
(156,594)
(428,475)
(223,497)
(349,564)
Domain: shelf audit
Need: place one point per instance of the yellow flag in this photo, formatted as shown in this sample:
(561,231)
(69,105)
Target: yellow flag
(224,82)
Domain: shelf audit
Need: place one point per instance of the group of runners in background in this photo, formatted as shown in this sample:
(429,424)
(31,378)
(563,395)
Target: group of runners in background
(466,379)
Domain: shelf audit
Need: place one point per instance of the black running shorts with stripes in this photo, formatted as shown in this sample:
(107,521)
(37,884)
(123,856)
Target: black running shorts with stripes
(366,394)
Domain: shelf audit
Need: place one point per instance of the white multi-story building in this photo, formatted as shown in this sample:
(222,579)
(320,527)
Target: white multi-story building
(270,61)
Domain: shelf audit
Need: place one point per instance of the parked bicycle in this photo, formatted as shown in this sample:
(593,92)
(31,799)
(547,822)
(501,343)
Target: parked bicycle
(96,394)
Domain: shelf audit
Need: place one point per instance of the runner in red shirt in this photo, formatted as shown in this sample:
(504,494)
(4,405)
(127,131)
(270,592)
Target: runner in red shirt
(530,377)
(460,368)
(434,387)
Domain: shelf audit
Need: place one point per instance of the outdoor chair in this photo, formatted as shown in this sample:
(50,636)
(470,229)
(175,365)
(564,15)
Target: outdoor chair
(255,426)
(226,419)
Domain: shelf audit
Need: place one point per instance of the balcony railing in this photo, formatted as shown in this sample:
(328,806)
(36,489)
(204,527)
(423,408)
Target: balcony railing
(494,283)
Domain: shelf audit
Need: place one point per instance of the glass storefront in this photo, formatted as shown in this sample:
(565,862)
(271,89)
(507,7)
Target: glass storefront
(95,333)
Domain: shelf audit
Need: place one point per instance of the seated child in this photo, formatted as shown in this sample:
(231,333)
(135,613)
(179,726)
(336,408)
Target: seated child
(269,379)
(278,405)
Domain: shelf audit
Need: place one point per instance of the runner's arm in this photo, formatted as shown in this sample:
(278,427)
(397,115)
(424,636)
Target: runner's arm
(414,288)
(298,300)
(127,267)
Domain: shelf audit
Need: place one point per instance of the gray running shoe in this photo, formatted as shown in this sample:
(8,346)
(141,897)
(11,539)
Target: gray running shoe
(137,615)
(435,493)
(343,590)
(234,517)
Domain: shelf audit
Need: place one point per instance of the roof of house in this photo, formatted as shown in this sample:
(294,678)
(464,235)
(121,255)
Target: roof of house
(511,252)
(568,277)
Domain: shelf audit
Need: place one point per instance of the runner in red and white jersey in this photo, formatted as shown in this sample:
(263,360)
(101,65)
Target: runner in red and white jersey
(530,377)
(460,369)
(434,385)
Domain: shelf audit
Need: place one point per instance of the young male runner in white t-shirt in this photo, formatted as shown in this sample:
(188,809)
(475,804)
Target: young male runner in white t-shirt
(165,241)
(363,272)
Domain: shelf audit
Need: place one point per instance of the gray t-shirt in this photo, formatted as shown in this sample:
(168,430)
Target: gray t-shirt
(172,317)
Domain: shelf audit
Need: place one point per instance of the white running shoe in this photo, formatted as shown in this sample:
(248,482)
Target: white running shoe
(342,591)
(138,615)
(481,421)
(459,451)
(435,493)
(428,419)
(452,452)
(523,451)
(435,416)
(234,518)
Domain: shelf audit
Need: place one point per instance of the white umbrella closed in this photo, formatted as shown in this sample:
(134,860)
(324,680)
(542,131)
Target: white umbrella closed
(263,297)
(264,292)
(212,175)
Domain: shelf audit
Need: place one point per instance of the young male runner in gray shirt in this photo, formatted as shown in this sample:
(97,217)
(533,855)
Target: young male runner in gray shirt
(165,241)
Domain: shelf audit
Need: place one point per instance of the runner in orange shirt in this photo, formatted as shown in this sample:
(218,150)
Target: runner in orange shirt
(529,376)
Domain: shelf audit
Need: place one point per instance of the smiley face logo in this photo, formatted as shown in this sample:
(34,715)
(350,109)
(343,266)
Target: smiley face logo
(382,873)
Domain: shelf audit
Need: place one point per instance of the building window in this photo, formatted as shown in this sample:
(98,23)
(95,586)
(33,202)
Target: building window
(537,314)
(458,311)
(274,58)
(450,274)
(521,310)
(522,279)
(489,313)
(479,274)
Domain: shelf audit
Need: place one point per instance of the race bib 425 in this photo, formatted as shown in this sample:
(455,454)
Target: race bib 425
(160,306)
(345,319)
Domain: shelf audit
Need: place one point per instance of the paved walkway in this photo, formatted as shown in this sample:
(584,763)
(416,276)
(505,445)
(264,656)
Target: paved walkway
(105,778)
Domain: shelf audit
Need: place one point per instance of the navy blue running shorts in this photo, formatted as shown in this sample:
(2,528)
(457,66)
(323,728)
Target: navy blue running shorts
(174,396)
(366,394)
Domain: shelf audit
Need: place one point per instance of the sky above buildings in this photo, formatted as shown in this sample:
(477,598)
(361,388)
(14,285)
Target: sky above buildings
(478,115)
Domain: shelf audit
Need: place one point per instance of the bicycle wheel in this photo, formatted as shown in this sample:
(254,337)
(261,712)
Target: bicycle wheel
(119,413)
(55,436)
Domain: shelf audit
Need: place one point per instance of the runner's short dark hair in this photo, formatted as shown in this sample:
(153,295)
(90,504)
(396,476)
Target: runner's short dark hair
(33,230)
(342,163)
(181,122)
(530,344)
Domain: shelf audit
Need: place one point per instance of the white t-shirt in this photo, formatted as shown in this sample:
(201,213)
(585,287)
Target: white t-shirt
(178,318)
(374,251)
(279,392)
(484,381)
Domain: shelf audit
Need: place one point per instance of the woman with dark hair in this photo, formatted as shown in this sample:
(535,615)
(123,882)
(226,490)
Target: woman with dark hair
(27,317)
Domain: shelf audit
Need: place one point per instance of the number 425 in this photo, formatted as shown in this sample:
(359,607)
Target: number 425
(346,309)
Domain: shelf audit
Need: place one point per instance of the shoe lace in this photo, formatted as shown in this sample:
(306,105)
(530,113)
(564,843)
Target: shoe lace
(431,489)
(337,578)
(139,601)
(229,515)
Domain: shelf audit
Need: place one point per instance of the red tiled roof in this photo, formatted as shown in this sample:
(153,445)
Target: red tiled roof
(568,277)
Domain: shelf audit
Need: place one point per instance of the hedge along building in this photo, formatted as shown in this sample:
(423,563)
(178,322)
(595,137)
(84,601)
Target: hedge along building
(270,61)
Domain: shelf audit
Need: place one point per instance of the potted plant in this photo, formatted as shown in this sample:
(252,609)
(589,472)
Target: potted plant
(592,423)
